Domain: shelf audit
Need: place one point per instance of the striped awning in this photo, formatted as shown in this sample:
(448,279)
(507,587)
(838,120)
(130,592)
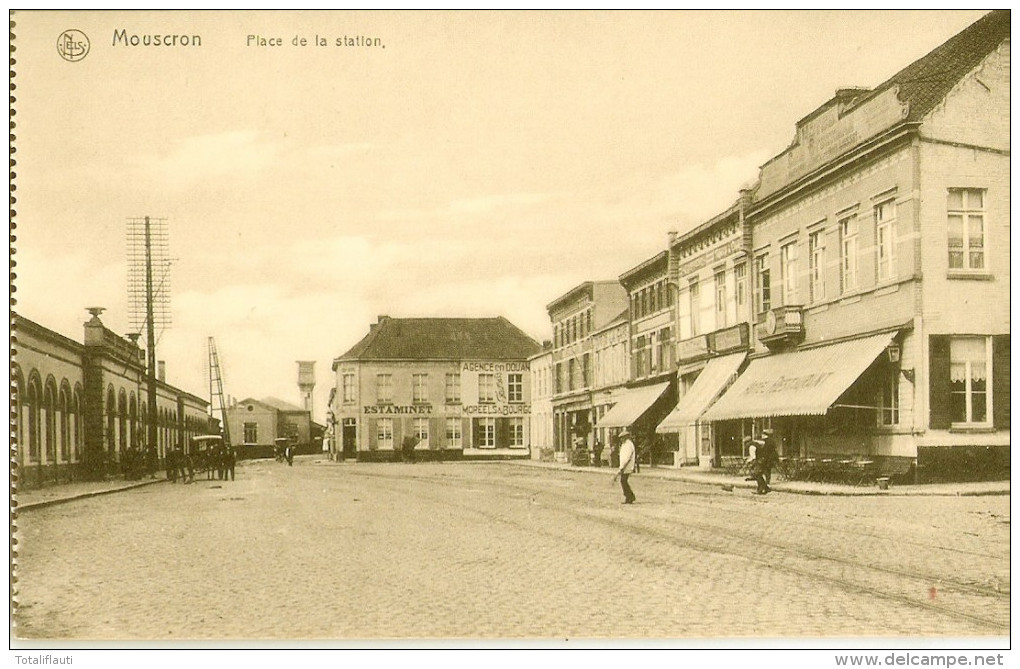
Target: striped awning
(632,405)
(801,383)
(712,380)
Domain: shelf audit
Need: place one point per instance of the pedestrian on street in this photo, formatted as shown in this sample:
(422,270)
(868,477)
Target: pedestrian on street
(598,453)
(229,460)
(179,460)
(758,466)
(189,466)
(768,456)
(628,455)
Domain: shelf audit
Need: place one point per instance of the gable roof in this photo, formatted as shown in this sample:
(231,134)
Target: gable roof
(925,82)
(280,405)
(443,339)
(269,403)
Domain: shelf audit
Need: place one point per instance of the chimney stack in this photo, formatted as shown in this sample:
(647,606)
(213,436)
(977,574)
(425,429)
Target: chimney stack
(161,370)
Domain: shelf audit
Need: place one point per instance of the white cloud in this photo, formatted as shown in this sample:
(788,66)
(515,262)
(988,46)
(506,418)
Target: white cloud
(195,159)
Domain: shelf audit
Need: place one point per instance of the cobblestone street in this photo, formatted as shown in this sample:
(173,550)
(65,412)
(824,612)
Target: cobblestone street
(347,551)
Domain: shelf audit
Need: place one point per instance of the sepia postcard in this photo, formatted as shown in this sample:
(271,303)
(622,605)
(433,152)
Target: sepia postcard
(512,329)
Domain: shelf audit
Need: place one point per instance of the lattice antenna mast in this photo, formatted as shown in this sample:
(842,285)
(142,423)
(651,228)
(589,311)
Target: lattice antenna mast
(148,254)
(216,401)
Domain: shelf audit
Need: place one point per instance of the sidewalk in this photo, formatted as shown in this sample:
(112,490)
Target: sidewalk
(723,480)
(65,492)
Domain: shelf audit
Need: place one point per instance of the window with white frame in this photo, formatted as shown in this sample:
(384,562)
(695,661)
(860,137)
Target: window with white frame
(966,228)
(516,432)
(486,433)
(848,229)
(515,387)
(885,240)
(788,268)
(762,284)
(384,433)
(453,388)
(421,431)
(420,388)
(968,376)
(816,265)
(720,298)
(889,398)
(453,433)
(384,388)
(347,381)
(740,280)
(486,388)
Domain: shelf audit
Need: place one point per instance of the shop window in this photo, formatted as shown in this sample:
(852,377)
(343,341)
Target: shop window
(453,388)
(889,398)
(966,210)
(486,388)
(968,377)
(453,433)
(969,381)
(516,432)
(885,240)
(421,432)
(384,433)
(816,265)
(486,433)
(848,229)
(384,388)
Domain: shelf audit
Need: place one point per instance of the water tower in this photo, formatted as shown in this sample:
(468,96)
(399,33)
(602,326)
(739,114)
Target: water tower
(306,382)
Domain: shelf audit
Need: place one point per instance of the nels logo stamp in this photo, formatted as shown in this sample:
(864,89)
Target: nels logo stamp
(73,45)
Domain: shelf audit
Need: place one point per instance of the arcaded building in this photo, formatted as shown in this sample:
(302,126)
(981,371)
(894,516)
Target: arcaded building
(80,407)
(460,386)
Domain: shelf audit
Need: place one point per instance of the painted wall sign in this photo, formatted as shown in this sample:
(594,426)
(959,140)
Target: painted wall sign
(495,367)
(497,409)
(416,409)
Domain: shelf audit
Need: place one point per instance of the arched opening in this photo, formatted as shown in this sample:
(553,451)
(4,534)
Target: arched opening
(134,437)
(65,407)
(19,399)
(79,429)
(50,419)
(30,419)
(122,427)
(111,424)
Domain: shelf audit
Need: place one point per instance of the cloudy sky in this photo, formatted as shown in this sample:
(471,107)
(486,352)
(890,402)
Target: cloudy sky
(477,164)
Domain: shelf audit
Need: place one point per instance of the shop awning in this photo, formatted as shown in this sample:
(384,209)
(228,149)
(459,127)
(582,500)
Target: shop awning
(802,383)
(712,380)
(632,405)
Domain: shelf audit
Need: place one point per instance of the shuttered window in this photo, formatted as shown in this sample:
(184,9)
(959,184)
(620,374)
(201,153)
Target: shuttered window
(968,381)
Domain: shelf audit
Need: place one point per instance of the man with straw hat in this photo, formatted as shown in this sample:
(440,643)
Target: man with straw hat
(627,458)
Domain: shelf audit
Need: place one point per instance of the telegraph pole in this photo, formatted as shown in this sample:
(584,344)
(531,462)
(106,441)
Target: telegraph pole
(149,306)
(150,345)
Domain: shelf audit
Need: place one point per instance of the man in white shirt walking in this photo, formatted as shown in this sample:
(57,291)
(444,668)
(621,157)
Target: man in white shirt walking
(627,458)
